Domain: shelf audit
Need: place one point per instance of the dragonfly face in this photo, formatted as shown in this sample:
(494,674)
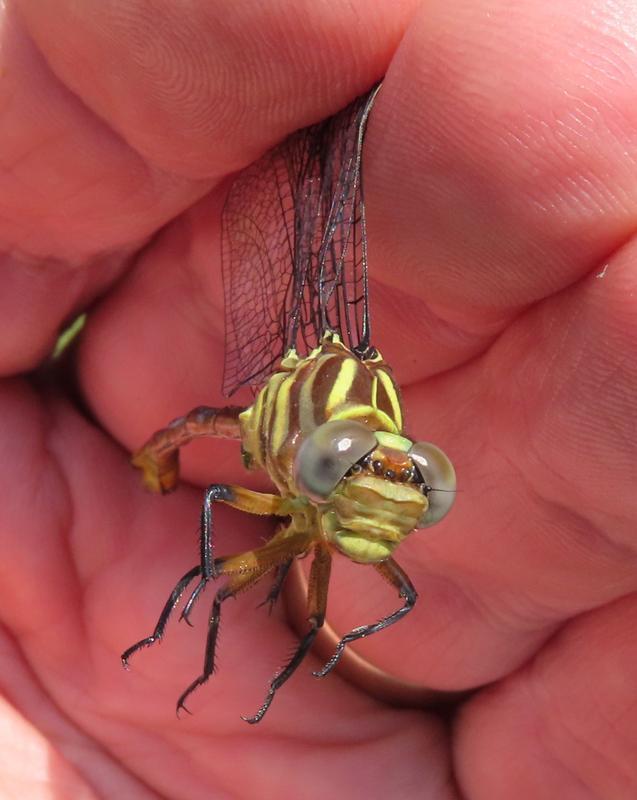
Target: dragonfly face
(372,488)
(327,422)
(368,517)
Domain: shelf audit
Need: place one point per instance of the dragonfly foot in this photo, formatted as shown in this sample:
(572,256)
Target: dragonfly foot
(321,673)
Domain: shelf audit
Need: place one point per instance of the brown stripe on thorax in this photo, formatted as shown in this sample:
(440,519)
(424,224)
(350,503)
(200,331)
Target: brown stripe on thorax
(357,388)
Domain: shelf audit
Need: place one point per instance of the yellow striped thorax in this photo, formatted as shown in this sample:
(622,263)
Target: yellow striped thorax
(330,383)
(367,515)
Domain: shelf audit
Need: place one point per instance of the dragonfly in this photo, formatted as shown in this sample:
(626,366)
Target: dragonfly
(326,423)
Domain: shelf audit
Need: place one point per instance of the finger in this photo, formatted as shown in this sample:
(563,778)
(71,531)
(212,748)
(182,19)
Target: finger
(154,348)
(71,187)
(79,180)
(198,89)
(39,298)
(500,168)
(75,202)
(563,725)
(33,519)
(541,432)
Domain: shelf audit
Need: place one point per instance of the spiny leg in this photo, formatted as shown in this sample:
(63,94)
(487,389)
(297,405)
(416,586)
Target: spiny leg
(259,503)
(214,493)
(167,610)
(244,571)
(240,583)
(317,602)
(158,458)
(277,584)
(392,573)
(244,499)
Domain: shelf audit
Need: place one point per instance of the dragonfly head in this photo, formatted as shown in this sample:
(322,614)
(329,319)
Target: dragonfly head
(372,487)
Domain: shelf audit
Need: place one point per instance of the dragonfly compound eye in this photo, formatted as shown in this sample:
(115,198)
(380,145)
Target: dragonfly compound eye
(328,454)
(438,475)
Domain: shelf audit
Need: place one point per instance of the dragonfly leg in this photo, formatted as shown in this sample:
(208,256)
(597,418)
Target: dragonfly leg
(237,497)
(275,552)
(277,584)
(167,610)
(317,602)
(158,459)
(240,583)
(244,570)
(392,573)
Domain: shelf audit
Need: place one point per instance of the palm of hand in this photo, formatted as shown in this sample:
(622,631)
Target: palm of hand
(516,350)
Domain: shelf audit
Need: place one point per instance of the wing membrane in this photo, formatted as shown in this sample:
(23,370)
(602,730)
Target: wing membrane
(294,253)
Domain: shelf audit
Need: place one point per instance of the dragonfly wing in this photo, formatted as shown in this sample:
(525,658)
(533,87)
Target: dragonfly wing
(257,259)
(294,255)
(341,269)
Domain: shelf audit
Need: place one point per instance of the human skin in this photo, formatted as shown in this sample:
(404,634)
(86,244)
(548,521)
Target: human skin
(501,186)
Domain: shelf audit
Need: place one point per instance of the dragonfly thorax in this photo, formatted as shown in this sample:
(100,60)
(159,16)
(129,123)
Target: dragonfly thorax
(330,383)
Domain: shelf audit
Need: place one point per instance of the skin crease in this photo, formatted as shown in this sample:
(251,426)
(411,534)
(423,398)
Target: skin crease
(501,187)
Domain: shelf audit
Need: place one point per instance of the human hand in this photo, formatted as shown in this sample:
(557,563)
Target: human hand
(499,174)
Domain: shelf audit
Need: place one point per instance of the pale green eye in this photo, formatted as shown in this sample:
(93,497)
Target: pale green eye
(439,478)
(328,454)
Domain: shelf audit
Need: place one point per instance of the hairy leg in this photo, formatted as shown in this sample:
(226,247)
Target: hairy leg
(394,575)
(317,602)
